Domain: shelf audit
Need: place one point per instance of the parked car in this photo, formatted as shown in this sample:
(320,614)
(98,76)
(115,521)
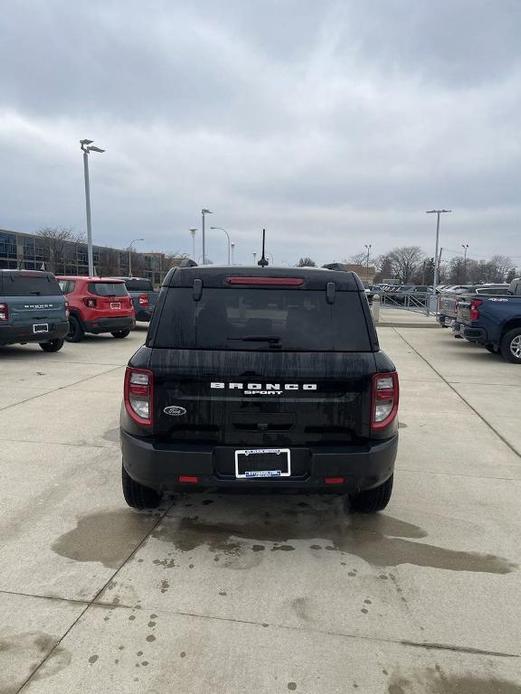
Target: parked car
(495,322)
(32,309)
(143,295)
(447,300)
(260,377)
(97,305)
(463,299)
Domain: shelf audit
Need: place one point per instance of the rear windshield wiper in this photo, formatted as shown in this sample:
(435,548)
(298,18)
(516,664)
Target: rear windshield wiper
(272,339)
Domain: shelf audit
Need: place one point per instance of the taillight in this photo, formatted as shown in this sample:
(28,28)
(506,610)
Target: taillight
(4,312)
(67,312)
(143,300)
(385,399)
(90,302)
(139,395)
(474,308)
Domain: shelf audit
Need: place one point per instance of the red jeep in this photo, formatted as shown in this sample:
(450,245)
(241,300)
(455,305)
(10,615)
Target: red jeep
(97,305)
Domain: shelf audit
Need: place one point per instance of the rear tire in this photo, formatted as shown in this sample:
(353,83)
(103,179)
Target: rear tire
(136,495)
(52,345)
(120,333)
(372,500)
(75,333)
(510,347)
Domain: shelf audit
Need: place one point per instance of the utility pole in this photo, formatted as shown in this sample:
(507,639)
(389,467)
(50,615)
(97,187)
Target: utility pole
(87,147)
(465,247)
(437,254)
(204,212)
(254,257)
(368,247)
(233,253)
(193,231)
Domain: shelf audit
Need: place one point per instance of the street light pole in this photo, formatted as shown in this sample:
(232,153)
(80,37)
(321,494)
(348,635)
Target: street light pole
(86,147)
(229,242)
(193,232)
(368,247)
(436,255)
(130,255)
(204,212)
(465,247)
(233,253)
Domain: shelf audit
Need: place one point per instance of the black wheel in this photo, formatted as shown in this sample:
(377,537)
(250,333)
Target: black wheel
(492,348)
(52,345)
(510,347)
(372,500)
(120,333)
(136,495)
(75,333)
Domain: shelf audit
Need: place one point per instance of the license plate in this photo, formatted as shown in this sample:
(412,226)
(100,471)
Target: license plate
(40,328)
(115,305)
(258,463)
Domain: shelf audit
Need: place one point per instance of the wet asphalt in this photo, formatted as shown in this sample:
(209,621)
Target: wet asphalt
(228,593)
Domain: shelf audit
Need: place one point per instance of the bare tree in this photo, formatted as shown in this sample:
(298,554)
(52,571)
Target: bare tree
(306,262)
(357,259)
(55,242)
(405,262)
(500,266)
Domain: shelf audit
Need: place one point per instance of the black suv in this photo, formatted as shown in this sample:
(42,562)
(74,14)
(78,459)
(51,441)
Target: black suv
(260,377)
(32,309)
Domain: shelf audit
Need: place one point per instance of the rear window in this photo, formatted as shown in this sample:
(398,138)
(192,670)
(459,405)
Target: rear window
(135,285)
(67,286)
(25,284)
(261,319)
(108,288)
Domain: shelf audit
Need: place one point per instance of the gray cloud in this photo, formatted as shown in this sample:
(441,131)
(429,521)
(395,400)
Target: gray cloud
(332,123)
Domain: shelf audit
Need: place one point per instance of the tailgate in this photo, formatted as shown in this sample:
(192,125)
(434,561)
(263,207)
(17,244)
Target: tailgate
(241,398)
(27,310)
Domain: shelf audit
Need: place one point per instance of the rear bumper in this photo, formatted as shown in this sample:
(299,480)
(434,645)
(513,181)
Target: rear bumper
(159,466)
(144,314)
(108,325)
(15,335)
(475,334)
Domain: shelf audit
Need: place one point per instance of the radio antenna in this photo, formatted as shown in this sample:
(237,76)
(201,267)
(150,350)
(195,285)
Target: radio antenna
(263,262)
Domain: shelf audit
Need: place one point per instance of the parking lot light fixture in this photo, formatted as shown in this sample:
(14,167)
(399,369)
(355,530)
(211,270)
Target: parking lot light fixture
(130,255)
(438,213)
(87,147)
(465,247)
(193,231)
(229,243)
(204,212)
(368,247)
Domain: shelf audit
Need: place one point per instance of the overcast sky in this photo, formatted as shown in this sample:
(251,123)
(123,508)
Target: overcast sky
(331,123)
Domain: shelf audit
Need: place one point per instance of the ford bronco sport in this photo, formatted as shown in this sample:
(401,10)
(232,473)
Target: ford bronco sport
(260,377)
(32,309)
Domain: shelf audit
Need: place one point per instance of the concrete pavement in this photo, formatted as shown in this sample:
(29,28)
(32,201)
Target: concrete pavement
(260,593)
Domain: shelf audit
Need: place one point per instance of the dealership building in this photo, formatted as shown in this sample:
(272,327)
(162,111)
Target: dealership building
(23,251)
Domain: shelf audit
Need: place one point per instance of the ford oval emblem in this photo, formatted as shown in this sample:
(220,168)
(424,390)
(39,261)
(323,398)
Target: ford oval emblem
(174,410)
